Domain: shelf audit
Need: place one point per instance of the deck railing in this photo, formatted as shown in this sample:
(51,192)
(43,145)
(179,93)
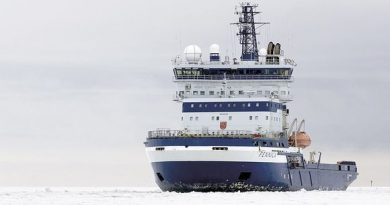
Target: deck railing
(209,133)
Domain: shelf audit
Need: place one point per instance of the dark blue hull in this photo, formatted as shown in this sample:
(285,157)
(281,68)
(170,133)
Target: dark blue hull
(247,176)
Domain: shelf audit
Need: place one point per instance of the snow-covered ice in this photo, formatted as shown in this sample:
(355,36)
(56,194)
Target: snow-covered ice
(134,196)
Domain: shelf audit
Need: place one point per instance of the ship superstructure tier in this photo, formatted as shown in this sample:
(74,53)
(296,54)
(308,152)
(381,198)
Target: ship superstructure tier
(234,131)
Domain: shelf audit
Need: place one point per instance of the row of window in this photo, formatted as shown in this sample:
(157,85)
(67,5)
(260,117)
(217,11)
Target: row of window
(229,105)
(200,105)
(216,118)
(232,92)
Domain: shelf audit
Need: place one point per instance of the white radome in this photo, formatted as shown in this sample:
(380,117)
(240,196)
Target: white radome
(214,48)
(192,53)
(263,51)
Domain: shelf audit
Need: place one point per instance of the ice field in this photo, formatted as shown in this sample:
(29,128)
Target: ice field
(134,196)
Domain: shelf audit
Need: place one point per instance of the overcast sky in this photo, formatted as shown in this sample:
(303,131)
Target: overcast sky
(81,82)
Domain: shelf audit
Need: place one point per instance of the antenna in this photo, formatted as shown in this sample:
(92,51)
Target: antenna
(247,31)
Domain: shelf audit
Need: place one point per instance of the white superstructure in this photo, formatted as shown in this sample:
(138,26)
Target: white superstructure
(220,95)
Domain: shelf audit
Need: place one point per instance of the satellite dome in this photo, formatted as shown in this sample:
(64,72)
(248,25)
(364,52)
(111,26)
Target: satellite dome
(214,48)
(263,51)
(192,53)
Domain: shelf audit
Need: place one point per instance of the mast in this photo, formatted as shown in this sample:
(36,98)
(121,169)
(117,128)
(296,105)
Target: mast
(247,31)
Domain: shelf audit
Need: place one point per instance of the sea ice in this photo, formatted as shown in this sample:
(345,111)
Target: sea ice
(149,196)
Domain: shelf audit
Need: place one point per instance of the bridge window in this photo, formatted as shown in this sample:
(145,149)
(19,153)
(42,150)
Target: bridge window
(259,92)
(283,92)
(191,118)
(211,92)
(222,92)
(228,104)
(232,92)
(205,105)
(215,105)
(243,105)
(195,92)
(267,92)
(241,92)
(182,118)
(217,118)
(212,118)
(234,104)
(230,117)
(266,117)
(250,117)
(196,118)
(257,118)
(266,104)
(192,105)
(257,104)
(200,105)
(202,92)
(249,104)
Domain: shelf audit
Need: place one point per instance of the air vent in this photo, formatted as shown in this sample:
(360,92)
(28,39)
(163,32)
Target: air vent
(220,148)
(160,148)
(244,176)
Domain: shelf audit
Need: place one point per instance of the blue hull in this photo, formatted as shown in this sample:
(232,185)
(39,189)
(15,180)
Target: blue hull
(246,176)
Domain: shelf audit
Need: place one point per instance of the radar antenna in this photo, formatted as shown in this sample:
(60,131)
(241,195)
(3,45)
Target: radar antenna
(247,31)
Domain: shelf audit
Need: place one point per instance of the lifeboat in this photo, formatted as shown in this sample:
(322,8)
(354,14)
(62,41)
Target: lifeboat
(301,140)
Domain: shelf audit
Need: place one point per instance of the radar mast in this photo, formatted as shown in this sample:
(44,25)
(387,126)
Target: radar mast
(247,31)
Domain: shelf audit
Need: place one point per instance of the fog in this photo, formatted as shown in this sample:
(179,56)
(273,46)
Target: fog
(81,82)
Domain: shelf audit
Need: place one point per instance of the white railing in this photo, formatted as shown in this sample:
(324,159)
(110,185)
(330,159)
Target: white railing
(180,97)
(166,133)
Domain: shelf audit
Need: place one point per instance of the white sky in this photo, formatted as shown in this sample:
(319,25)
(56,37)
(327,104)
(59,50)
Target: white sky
(81,82)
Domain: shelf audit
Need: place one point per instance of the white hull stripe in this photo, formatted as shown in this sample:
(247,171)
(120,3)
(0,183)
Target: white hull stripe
(203,153)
